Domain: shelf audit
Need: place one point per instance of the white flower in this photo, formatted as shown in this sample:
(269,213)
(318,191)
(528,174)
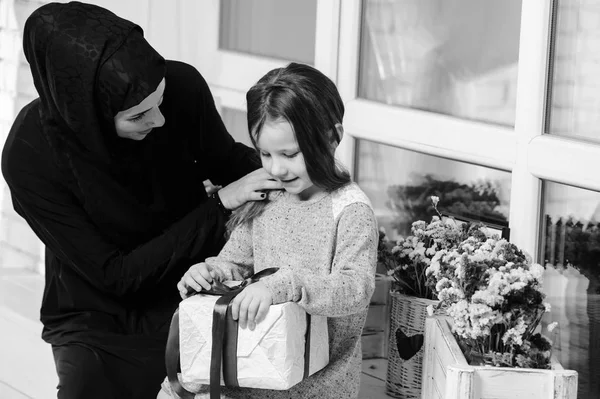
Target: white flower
(515,335)
(435,200)
(451,223)
(430,310)
(443,283)
(552,326)
(537,272)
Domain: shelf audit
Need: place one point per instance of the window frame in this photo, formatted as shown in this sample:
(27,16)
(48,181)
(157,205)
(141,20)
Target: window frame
(524,150)
(231,70)
(521,150)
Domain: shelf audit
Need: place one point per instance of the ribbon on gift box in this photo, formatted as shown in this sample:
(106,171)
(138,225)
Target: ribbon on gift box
(224,340)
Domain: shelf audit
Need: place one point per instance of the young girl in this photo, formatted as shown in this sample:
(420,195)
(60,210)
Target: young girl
(320,230)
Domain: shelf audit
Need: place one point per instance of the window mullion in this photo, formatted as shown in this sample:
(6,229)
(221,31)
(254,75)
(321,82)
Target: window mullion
(525,202)
(347,74)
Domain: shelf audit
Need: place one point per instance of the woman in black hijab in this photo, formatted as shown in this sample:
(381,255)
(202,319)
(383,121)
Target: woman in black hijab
(107,168)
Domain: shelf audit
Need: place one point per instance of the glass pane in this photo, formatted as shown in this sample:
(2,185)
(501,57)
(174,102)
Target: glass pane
(237,125)
(399,183)
(454,57)
(282,29)
(575,97)
(571,253)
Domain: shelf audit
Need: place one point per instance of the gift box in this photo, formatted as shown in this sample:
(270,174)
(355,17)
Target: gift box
(270,357)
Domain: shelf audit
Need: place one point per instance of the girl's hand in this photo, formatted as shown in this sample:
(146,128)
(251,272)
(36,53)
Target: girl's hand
(198,277)
(251,305)
(248,188)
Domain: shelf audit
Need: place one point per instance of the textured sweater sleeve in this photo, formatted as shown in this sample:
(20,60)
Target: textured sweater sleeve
(350,285)
(236,259)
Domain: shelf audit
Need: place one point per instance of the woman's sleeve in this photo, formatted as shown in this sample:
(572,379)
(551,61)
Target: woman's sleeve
(349,287)
(236,259)
(63,226)
(225,159)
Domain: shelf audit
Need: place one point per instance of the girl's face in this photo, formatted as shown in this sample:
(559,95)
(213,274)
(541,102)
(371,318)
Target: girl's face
(281,157)
(136,122)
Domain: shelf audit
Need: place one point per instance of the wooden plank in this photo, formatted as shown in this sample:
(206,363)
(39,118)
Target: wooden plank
(565,384)
(374,345)
(427,381)
(438,373)
(381,295)
(371,388)
(446,336)
(445,368)
(459,383)
(506,383)
(377,316)
(376,368)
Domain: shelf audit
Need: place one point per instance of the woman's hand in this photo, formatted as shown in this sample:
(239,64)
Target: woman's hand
(248,188)
(251,305)
(198,277)
(210,188)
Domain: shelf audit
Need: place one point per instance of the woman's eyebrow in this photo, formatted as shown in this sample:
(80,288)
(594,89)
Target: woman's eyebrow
(139,114)
(143,112)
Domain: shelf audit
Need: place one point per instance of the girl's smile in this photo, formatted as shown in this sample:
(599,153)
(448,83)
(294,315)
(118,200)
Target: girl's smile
(281,157)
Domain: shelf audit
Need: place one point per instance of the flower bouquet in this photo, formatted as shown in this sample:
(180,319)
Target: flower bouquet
(406,261)
(492,292)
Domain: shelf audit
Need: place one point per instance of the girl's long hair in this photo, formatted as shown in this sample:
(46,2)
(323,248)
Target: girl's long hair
(310,102)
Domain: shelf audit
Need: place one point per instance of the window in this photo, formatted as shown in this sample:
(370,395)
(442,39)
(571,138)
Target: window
(243,39)
(571,253)
(412,104)
(237,125)
(283,29)
(575,94)
(456,58)
(400,182)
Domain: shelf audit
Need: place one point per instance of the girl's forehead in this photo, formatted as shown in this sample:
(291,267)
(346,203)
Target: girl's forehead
(277,134)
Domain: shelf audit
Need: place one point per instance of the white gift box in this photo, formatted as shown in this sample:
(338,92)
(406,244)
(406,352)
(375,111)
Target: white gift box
(269,357)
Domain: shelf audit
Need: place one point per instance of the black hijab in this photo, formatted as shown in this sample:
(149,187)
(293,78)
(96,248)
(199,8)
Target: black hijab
(89,64)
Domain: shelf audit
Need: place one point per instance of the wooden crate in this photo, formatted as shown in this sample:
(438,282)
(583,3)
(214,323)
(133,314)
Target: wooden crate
(447,375)
(377,326)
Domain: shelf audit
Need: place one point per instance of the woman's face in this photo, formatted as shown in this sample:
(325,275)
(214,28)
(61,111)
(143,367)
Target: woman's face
(136,122)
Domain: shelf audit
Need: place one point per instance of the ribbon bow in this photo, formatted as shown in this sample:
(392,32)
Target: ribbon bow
(224,339)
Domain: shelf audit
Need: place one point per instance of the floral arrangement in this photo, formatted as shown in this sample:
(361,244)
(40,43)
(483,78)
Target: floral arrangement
(407,259)
(492,292)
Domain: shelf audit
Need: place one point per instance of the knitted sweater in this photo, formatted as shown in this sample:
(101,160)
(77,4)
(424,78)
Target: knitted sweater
(326,251)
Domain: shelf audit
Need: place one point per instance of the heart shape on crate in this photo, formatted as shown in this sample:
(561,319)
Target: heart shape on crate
(408,346)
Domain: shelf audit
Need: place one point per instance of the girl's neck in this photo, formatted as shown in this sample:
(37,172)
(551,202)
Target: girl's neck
(308,195)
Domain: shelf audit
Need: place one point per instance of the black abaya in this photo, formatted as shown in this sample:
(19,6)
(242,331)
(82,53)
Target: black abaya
(121,220)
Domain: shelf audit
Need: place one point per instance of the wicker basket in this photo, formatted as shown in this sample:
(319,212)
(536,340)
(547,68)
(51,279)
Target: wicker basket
(404,376)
